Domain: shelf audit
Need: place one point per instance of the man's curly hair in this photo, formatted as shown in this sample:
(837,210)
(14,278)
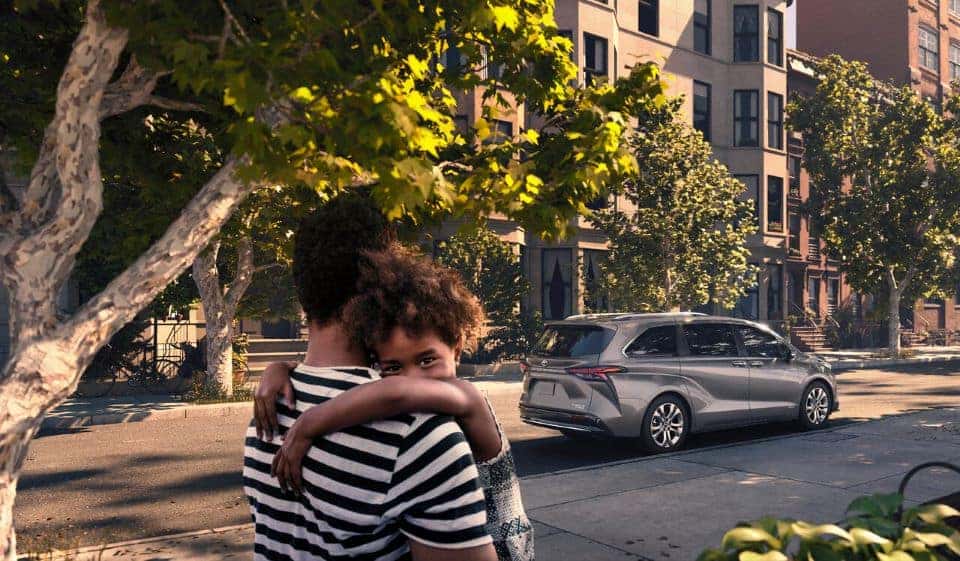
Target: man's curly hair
(327,250)
(399,288)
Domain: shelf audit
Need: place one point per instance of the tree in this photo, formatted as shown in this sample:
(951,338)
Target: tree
(491,269)
(885,189)
(333,98)
(681,242)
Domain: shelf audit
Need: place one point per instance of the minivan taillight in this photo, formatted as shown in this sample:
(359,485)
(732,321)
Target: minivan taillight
(595,373)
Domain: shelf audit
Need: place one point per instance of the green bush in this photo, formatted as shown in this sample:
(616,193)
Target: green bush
(872,531)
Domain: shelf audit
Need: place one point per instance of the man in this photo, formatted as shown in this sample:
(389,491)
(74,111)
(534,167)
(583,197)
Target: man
(402,488)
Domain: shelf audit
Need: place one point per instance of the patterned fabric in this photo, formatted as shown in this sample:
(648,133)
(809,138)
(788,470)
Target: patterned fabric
(366,489)
(507,522)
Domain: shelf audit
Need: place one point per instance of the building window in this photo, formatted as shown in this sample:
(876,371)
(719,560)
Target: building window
(752,192)
(594,58)
(500,132)
(955,7)
(775,120)
(650,17)
(593,299)
(833,295)
(774,291)
(701,108)
(701,26)
(793,166)
(954,60)
(929,48)
(794,225)
(748,307)
(775,37)
(460,123)
(455,61)
(555,280)
(746,114)
(813,295)
(746,34)
(774,203)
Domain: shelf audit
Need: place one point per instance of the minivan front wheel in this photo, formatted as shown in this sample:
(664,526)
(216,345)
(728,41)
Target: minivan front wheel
(665,425)
(814,406)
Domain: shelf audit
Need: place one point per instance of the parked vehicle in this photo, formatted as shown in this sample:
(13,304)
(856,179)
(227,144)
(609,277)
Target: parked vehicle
(661,377)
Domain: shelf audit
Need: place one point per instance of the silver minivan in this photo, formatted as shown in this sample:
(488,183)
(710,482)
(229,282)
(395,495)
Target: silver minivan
(661,377)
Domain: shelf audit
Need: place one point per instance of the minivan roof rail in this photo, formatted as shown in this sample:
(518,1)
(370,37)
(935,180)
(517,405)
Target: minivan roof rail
(623,316)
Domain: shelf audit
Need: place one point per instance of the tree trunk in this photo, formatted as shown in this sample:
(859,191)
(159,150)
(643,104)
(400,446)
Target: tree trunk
(893,323)
(40,240)
(220,309)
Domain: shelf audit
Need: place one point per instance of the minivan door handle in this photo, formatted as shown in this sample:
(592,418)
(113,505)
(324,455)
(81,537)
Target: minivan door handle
(756,363)
(740,363)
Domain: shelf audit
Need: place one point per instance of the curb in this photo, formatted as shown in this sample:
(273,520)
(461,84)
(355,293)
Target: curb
(181,412)
(67,554)
(882,362)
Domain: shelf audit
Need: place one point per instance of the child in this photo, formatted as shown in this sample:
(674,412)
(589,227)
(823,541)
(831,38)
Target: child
(417,317)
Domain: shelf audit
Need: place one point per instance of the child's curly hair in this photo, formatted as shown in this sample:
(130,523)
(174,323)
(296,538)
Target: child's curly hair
(399,288)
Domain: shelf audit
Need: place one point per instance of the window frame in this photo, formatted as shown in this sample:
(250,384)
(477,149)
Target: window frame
(708,116)
(771,179)
(953,63)
(589,74)
(676,343)
(794,174)
(704,23)
(782,347)
(775,122)
(753,36)
(924,51)
(778,40)
(645,6)
(753,119)
(688,351)
(954,7)
(774,288)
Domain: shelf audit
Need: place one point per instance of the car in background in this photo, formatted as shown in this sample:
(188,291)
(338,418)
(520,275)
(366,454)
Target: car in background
(660,377)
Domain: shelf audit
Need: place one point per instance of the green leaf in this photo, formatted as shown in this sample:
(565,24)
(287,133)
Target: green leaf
(745,534)
(897,555)
(861,536)
(933,514)
(768,556)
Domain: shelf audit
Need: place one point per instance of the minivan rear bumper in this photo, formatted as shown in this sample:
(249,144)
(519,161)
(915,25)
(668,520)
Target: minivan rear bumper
(563,420)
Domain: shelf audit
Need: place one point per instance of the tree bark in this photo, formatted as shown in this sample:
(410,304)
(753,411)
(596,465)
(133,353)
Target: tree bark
(220,309)
(39,243)
(893,323)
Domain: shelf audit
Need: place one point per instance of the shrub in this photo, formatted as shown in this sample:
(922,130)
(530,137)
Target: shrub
(874,530)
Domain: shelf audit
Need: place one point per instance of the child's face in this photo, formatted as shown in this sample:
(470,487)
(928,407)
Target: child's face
(425,355)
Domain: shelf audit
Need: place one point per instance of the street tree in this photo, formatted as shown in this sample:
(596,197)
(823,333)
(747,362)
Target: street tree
(679,242)
(885,189)
(491,269)
(331,97)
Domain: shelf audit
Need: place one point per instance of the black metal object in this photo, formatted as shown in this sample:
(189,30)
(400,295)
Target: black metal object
(914,471)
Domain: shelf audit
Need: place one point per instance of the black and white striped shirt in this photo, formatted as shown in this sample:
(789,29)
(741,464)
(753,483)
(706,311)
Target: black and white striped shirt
(367,489)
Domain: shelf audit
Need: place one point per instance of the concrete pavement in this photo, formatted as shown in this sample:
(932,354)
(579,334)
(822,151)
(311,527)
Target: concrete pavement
(673,506)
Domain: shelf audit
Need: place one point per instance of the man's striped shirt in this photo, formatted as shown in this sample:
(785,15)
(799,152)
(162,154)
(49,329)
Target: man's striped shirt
(367,489)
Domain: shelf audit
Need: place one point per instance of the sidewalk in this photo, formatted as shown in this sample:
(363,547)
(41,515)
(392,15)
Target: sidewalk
(83,412)
(673,506)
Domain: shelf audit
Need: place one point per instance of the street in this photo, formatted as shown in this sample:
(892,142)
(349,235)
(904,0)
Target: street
(117,482)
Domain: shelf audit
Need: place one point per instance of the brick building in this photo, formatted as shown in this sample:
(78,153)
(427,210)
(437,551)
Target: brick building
(909,42)
(728,59)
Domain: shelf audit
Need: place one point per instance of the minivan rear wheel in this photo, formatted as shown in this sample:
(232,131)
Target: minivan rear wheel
(665,424)
(815,406)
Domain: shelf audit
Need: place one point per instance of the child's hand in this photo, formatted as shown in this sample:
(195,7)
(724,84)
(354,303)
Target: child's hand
(275,381)
(287,463)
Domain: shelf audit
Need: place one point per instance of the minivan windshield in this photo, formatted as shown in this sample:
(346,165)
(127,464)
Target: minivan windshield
(572,340)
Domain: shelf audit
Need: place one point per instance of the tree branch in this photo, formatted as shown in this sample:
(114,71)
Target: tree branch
(173,104)
(127,294)
(233,20)
(244,276)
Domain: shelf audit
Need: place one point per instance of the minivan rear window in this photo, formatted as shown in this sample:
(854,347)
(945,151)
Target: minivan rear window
(572,340)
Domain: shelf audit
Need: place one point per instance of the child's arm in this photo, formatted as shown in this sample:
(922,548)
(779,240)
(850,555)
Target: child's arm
(386,398)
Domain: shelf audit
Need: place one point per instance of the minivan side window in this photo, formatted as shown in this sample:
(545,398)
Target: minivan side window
(710,339)
(759,343)
(656,341)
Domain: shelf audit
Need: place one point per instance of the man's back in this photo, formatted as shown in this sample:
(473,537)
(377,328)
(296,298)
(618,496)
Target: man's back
(368,488)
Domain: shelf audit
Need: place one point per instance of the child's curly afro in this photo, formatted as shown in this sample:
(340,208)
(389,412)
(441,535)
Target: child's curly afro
(400,288)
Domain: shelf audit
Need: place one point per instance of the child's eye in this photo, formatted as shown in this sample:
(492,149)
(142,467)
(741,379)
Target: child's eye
(390,370)
(427,361)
